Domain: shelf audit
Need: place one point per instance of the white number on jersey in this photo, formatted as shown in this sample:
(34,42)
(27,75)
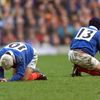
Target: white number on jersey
(17,46)
(85,34)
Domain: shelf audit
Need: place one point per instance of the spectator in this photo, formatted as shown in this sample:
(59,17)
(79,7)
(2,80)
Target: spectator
(55,20)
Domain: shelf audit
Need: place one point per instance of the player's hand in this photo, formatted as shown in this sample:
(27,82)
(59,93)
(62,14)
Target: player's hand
(3,80)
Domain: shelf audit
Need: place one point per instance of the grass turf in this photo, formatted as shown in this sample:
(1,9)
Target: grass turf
(59,86)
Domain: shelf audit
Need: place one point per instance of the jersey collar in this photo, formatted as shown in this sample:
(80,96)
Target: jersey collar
(93,27)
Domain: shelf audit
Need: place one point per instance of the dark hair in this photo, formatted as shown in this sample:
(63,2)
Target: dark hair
(95,22)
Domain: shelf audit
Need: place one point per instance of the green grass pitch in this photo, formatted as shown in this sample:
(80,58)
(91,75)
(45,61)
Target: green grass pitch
(59,86)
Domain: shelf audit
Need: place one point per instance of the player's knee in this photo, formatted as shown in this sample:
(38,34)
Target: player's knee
(97,67)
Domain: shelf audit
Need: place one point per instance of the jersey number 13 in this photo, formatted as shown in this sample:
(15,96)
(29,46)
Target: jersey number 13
(85,34)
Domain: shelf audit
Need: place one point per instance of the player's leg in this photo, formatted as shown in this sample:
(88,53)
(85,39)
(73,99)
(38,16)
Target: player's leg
(76,71)
(32,72)
(97,69)
(37,76)
(1,72)
(75,68)
(85,62)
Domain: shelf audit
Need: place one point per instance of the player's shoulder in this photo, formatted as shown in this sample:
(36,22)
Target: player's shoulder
(98,34)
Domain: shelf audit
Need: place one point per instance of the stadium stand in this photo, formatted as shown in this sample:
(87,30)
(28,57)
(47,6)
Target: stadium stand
(44,22)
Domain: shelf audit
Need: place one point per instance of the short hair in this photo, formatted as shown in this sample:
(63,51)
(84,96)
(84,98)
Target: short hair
(95,22)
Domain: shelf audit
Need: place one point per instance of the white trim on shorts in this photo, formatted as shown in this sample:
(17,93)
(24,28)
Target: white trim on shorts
(33,62)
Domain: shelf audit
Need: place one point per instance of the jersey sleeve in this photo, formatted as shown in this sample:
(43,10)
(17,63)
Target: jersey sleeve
(19,74)
(1,69)
(15,77)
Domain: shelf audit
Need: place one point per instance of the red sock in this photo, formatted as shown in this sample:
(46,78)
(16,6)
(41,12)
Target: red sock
(91,72)
(34,76)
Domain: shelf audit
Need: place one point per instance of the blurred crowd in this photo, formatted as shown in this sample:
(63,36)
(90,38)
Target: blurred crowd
(44,22)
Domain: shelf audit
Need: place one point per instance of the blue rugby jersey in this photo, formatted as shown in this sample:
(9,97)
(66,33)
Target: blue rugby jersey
(23,54)
(87,39)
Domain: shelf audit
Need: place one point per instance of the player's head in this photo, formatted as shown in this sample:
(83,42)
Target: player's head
(7,61)
(95,22)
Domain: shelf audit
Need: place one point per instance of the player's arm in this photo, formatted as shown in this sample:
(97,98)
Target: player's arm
(1,69)
(18,73)
(15,77)
(1,72)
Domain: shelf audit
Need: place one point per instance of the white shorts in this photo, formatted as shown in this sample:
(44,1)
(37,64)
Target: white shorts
(33,62)
(82,59)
